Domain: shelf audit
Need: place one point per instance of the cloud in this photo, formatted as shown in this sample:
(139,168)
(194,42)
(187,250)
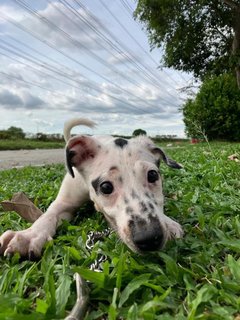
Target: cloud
(31,102)
(9,99)
(76,34)
(21,99)
(119,105)
(118,59)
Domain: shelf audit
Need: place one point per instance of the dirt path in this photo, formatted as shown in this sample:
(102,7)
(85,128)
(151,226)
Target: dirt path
(37,157)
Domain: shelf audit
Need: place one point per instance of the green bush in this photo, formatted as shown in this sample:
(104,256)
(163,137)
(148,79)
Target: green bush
(16,132)
(139,132)
(215,111)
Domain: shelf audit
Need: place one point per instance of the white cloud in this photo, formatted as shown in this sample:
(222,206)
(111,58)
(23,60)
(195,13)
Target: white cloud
(151,105)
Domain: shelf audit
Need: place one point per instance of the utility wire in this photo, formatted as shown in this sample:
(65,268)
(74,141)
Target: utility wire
(110,45)
(78,44)
(73,41)
(130,10)
(64,75)
(56,93)
(121,44)
(46,42)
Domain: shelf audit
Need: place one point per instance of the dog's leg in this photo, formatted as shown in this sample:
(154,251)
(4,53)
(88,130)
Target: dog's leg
(29,242)
(174,229)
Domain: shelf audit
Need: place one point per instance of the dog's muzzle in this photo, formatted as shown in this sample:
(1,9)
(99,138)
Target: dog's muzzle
(147,236)
(148,241)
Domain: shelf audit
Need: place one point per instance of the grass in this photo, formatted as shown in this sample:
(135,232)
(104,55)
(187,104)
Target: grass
(197,277)
(11,144)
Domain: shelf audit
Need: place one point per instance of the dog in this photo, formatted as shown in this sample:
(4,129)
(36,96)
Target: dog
(121,176)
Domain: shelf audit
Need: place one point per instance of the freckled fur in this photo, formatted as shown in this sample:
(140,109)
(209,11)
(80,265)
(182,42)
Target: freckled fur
(134,207)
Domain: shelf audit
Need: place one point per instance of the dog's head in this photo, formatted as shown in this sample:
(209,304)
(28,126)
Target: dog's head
(125,185)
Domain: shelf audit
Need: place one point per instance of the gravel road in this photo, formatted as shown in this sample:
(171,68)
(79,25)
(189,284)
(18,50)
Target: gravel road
(37,157)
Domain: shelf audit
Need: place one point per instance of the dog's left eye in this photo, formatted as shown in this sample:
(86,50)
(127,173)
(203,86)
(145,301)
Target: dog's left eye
(152,176)
(106,187)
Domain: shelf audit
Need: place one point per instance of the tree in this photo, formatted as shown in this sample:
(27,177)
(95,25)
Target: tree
(199,36)
(15,132)
(139,132)
(215,111)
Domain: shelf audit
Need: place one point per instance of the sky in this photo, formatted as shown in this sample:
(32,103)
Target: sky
(63,59)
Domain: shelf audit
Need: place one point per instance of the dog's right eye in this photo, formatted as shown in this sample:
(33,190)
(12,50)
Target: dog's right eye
(152,176)
(106,187)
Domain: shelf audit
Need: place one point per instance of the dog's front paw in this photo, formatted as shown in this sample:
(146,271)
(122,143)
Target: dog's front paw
(28,243)
(174,229)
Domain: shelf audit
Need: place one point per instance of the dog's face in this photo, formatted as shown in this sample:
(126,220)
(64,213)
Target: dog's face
(126,186)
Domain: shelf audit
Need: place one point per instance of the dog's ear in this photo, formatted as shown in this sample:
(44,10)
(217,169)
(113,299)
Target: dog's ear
(79,150)
(160,154)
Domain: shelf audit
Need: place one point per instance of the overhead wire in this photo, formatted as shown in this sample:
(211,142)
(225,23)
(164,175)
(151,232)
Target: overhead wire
(146,75)
(127,7)
(130,10)
(56,93)
(147,67)
(46,42)
(73,41)
(50,68)
(103,77)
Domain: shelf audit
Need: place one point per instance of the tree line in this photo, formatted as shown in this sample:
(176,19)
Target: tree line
(13,133)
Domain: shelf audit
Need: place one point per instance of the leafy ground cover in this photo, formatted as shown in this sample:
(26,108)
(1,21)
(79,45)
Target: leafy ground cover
(197,277)
(6,144)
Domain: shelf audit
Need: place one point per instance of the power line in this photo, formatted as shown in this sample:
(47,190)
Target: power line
(130,10)
(46,42)
(76,61)
(78,44)
(73,41)
(62,74)
(121,44)
(147,76)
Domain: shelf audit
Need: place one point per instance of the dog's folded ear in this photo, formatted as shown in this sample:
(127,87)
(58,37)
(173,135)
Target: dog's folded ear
(160,154)
(79,150)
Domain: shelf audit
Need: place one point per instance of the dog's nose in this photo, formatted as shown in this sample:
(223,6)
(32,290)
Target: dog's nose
(149,240)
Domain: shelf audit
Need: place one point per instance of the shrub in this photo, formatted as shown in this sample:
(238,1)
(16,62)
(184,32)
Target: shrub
(15,132)
(139,132)
(215,110)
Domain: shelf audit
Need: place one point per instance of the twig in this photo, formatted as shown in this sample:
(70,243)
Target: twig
(79,310)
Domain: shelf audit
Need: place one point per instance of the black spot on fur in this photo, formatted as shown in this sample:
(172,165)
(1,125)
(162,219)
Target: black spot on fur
(151,206)
(96,184)
(143,207)
(129,210)
(126,201)
(120,142)
(137,222)
(134,195)
(120,179)
(147,195)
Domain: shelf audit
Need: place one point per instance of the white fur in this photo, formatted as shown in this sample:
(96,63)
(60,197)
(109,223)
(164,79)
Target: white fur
(126,168)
